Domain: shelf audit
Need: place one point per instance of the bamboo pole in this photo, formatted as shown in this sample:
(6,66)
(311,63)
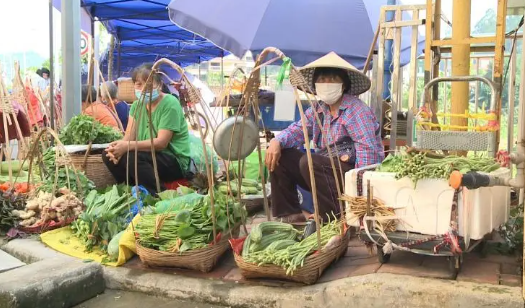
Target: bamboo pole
(461,11)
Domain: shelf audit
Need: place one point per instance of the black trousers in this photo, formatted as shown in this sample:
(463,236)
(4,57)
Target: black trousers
(167,166)
(293,170)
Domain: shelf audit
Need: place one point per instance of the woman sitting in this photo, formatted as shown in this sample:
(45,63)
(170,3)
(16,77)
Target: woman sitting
(346,122)
(108,95)
(95,109)
(170,136)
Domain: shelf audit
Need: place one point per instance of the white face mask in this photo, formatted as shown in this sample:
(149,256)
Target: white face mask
(329,93)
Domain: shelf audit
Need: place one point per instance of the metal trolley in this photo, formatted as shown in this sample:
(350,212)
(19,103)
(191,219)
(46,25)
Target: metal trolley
(449,244)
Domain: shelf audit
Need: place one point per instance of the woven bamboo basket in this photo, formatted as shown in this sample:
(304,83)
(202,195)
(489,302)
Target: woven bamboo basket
(126,90)
(203,259)
(95,169)
(313,268)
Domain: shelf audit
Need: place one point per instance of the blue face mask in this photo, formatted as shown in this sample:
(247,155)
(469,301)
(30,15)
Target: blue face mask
(154,95)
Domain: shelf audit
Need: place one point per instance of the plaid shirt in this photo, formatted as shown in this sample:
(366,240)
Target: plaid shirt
(355,120)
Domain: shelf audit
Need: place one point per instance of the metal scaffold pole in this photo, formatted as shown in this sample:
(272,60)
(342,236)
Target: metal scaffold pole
(71,59)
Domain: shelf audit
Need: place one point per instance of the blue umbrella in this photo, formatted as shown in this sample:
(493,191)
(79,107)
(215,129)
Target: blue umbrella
(303,29)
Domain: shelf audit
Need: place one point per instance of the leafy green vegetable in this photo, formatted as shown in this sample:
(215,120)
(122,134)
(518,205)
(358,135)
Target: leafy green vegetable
(82,129)
(187,225)
(105,216)
(75,178)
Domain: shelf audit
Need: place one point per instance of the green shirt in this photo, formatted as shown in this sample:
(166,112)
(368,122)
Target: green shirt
(169,116)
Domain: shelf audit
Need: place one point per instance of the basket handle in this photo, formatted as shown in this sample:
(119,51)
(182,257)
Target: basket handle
(84,163)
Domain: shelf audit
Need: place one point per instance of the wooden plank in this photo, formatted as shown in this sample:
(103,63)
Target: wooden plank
(405,7)
(403,23)
(395,82)
(412,94)
(498,57)
(470,40)
(380,67)
(428,41)
(512,97)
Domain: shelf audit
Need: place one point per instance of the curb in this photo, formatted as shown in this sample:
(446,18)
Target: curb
(51,280)
(374,290)
(74,280)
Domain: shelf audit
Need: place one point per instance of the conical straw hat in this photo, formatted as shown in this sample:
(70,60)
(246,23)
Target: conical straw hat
(359,82)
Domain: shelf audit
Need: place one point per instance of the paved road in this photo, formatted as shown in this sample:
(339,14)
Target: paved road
(121,299)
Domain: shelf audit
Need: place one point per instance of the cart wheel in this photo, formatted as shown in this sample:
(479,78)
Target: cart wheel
(452,268)
(381,256)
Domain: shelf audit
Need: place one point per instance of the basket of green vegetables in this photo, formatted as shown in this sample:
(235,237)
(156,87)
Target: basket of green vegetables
(186,236)
(251,193)
(274,250)
(84,130)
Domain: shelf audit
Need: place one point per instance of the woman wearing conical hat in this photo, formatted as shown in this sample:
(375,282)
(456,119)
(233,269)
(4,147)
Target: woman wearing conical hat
(346,121)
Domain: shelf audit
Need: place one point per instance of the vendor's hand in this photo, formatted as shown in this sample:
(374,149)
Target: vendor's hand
(118,148)
(112,158)
(273,154)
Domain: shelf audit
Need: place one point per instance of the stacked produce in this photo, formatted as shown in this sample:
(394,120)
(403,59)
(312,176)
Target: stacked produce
(105,216)
(418,166)
(82,129)
(180,226)
(43,208)
(249,187)
(277,243)
(18,172)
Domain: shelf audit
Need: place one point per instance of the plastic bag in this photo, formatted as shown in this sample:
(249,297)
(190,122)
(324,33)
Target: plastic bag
(178,203)
(251,167)
(197,154)
(137,206)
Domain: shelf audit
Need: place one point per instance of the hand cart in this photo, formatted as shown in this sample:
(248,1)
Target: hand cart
(448,244)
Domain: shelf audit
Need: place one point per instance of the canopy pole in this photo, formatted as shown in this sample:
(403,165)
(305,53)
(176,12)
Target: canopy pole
(222,70)
(118,58)
(110,58)
(71,56)
(266,75)
(199,66)
(51,69)
(388,57)
(91,73)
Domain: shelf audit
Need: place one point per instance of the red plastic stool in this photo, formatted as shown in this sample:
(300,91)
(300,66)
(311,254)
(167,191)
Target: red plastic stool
(175,184)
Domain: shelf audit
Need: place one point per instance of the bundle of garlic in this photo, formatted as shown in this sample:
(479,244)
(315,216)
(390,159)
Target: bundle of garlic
(43,208)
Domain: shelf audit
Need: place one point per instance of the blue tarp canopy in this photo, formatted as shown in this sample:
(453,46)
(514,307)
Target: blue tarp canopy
(146,33)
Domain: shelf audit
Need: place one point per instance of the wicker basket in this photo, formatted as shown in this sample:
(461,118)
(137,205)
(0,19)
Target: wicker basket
(254,205)
(95,169)
(126,90)
(203,259)
(313,268)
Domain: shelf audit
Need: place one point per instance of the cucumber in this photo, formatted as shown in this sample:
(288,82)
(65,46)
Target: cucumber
(16,165)
(246,182)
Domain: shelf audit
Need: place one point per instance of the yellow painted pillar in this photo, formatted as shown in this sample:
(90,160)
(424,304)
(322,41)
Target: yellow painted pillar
(460,58)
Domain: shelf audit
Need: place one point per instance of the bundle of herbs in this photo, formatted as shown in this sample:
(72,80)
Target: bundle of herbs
(180,229)
(106,215)
(82,129)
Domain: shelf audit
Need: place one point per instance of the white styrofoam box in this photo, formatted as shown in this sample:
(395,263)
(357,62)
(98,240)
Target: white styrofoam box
(427,208)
